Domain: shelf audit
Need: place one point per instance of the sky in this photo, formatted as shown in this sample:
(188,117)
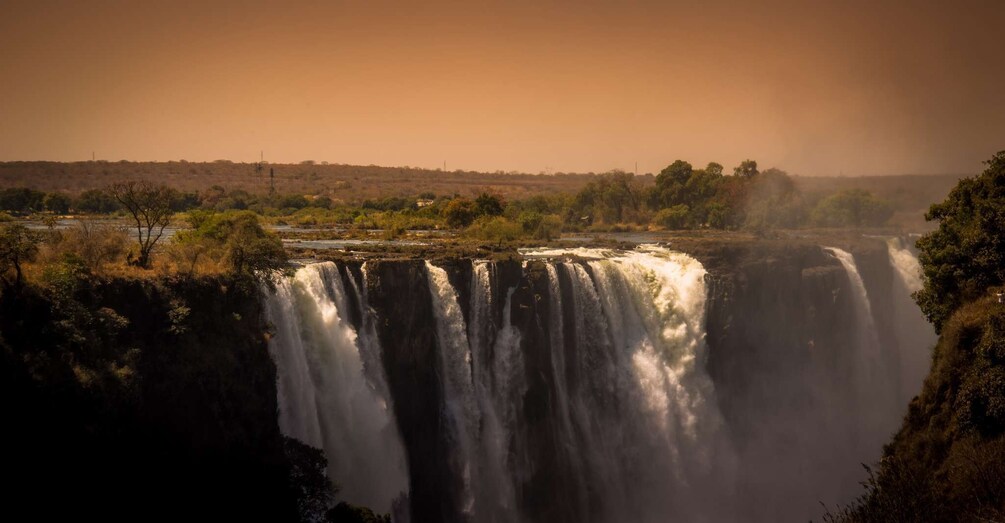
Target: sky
(812,87)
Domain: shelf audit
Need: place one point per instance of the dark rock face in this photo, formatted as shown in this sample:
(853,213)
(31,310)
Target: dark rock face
(399,293)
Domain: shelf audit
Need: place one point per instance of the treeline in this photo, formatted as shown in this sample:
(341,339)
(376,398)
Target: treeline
(682,197)
(687,198)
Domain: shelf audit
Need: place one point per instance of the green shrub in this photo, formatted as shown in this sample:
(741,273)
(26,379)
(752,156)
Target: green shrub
(495,229)
(675,217)
(851,208)
(237,239)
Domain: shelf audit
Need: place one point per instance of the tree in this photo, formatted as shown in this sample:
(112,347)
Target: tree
(20,199)
(96,201)
(314,491)
(714,169)
(674,174)
(488,205)
(58,203)
(746,169)
(772,201)
(851,208)
(17,246)
(613,198)
(966,255)
(460,212)
(671,184)
(236,238)
(151,208)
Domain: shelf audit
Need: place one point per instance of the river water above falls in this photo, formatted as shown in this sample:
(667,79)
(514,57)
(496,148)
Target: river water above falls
(596,385)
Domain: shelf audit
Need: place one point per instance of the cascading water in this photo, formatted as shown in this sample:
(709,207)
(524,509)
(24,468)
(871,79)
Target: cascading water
(575,386)
(915,335)
(633,405)
(873,377)
(325,398)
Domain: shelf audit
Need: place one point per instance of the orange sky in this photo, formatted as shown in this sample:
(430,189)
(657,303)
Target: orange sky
(851,87)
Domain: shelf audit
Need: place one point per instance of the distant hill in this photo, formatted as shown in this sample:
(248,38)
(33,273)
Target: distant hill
(345,182)
(353,183)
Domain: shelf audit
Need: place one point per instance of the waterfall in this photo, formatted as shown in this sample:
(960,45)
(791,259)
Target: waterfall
(634,408)
(455,371)
(325,399)
(915,336)
(863,308)
(629,426)
(906,264)
(575,386)
(875,381)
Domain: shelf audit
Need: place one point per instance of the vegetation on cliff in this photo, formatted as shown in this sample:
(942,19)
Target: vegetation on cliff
(947,462)
(145,390)
(965,256)
(129,398)
(149,398)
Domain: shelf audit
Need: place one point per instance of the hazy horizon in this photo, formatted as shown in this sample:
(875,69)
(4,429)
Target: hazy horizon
(852,88)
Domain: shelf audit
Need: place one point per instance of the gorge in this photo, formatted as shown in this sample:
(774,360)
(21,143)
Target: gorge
(696,381)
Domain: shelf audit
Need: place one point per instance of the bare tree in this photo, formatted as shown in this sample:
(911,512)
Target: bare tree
(150,207)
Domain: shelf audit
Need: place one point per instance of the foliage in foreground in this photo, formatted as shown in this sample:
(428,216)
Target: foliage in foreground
(235,239)
(947,462)
(966,255)
(148,399)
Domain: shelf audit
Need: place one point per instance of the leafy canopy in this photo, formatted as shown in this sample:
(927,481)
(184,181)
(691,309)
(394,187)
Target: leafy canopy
(965,256)
(237,239)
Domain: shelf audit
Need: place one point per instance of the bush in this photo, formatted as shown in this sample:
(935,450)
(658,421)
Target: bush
(95,244)
(18,245)
(58,203)
(236,239)
(20,199)
(540,227)
(496,229)
(675,217)
(96,201)
(460,212)
(851,208)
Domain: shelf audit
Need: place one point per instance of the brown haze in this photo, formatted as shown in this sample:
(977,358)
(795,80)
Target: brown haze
(812,87)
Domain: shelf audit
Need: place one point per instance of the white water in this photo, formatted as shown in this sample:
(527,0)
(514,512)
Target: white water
(869,342)
(874,380)
(915,335)
(905,263)
(483,385)
(626,426)
(325,400)
(455,371)
(634,410)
